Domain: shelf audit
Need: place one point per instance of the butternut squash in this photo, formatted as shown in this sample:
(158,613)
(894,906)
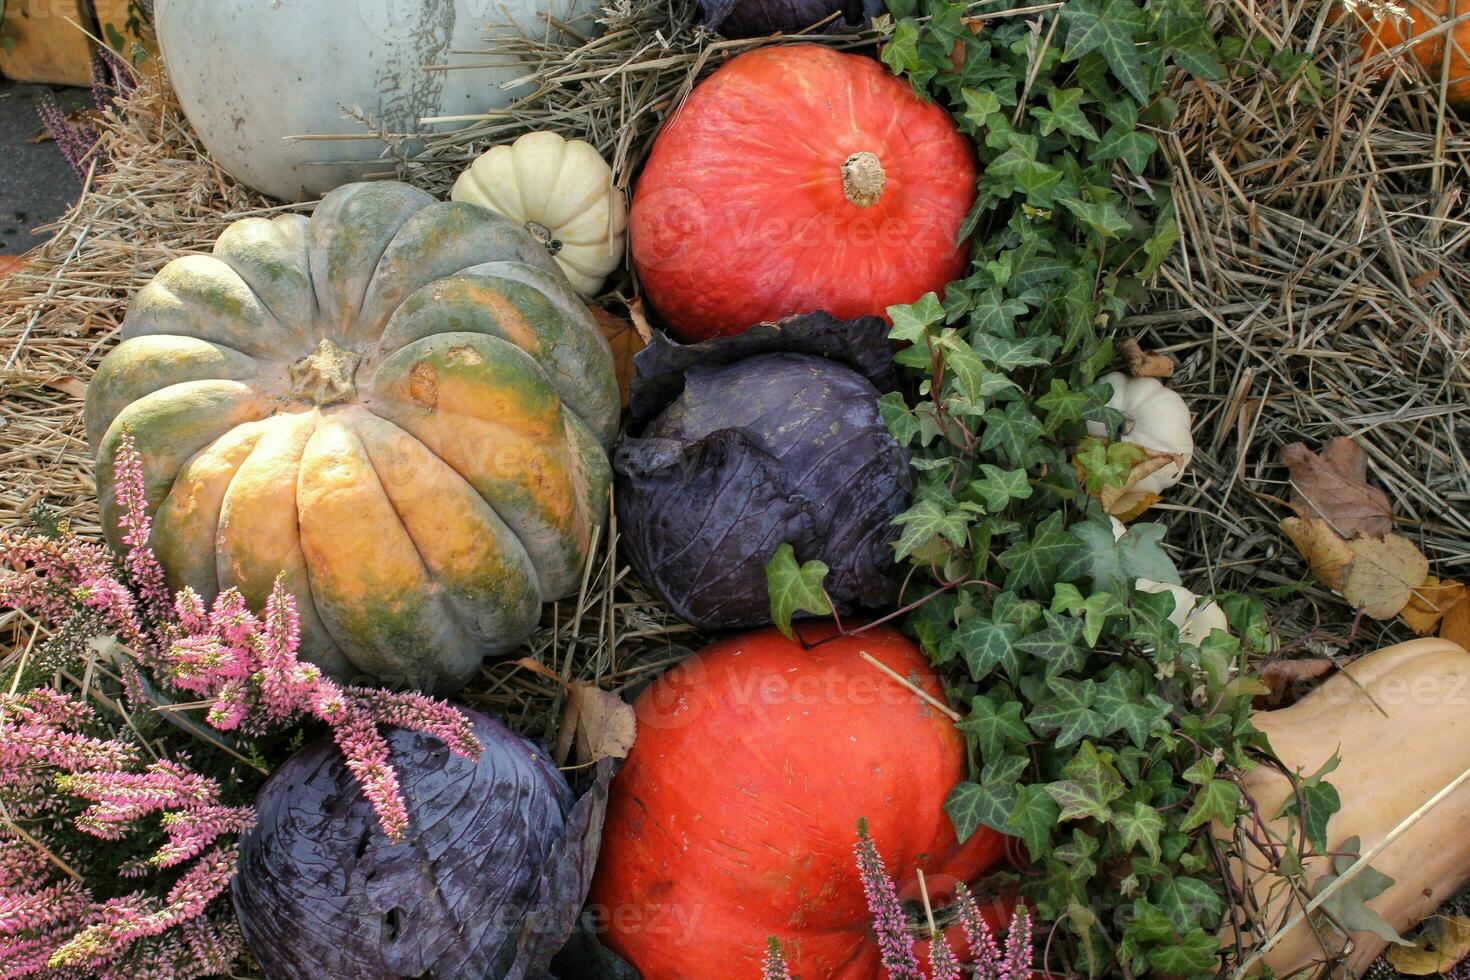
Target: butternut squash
(1400,720)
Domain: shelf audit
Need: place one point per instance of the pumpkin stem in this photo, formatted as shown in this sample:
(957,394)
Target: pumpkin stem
(325,375)
(542,234)
(863,179)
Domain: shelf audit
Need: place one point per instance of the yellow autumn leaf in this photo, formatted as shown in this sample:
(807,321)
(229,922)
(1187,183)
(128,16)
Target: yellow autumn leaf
(1430,602)
(1328,555)
(1384,573)
(1455,626)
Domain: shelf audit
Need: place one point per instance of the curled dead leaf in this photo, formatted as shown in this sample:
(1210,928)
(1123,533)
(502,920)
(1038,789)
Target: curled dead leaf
(1429,603)
(600,724)
(1127,502)
(1384,574)
(1279,675)
(1333,487)
(1327,554)
(1144,363)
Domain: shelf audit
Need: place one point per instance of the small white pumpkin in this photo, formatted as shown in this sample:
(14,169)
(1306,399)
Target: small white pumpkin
(1196,620)
(1154,418)
(562,192)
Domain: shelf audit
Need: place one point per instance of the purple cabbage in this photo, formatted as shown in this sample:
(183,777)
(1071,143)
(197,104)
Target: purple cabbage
(767,437)
(757,18)
(488,883)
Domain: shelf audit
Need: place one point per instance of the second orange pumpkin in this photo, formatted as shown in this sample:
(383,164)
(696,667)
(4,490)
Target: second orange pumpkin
(1390,25)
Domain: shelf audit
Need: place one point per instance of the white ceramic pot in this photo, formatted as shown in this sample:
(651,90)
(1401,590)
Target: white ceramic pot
(251,73)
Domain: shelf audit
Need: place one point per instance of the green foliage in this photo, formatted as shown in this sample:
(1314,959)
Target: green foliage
(1096,736)
(795,588)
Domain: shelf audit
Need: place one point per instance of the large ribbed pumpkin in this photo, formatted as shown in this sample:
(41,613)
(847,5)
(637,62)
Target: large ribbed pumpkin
(798,178)
(735,816)
(399,405)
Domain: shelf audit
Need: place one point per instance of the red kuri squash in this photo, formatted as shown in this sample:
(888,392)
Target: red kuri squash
(736,814)
(798,178)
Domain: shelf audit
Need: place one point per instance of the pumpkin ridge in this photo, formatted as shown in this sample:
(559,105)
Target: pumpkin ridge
(505,535)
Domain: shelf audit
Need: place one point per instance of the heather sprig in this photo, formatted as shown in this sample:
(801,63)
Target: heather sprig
(775,967)
(889,921)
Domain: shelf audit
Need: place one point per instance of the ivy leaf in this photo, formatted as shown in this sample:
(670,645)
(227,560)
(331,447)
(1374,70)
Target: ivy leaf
(972,805)
(994,311)
(1068,712)
(1111,30)
(911,323)
(1013,433)
(1033,820)
(1057,643)
(1091,784)
(1095,609)
(1063,405)
(1348,906)
(1065,114)
(1115,565)
(1127,144)
(1007,353)
(1123,708)
(1321,801)
(901,53)
(1188,902)
(1033,563)
(994,724)
(1194,954)
(985,645)
(795,588)
(901,420)
(1103,217)
(924,521)
(1218,799)
(1140,827)
(998,487)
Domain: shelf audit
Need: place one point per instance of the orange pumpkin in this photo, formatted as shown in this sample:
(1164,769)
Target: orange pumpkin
(736,814)
(1388,25)
(798,178)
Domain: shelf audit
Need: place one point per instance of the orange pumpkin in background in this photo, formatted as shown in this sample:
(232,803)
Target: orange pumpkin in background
(798,178)
(736,814)
(1388,25)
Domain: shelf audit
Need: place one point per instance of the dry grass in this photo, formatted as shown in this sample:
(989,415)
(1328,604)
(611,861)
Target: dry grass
(1323,289)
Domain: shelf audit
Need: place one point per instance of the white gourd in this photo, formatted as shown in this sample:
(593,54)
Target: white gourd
(562,192)
(1156,419)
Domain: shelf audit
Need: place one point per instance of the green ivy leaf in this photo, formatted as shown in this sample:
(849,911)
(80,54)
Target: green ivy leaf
(1111,28)
(795,588)
(1115,565)
(1193,954)
(1348,906)
(1091,784)
(986,645)
(994,724)
(911,323)
(1065,114)
(1189,903)
(1140,827)
(1121,703)
(1068,713)
(924,521)
(1056,643)
(997,487)
(1033,820)
(1218,799)
(1033,563)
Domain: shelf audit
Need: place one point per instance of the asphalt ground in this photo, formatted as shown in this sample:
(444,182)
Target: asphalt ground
(36,185)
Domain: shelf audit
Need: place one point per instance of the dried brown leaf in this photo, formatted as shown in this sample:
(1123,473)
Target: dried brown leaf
(1144,363)
(1126,503)
(1384,574)
(601,724)
(1327,554)
(1430,602)
(1443,942)
(1281,674)
(625,339)
(1334,487)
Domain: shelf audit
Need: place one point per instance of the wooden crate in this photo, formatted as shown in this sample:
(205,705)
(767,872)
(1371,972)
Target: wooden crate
(46,44)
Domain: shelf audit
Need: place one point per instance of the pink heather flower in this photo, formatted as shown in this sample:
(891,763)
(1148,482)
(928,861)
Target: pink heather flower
(1019,951)
(192,831)
(984,950)
(943,965)
(775,967)
(144,570)
(366,751)
(420,713)
(889,921)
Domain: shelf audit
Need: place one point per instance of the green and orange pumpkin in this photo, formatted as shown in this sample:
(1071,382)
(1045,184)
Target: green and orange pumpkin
(399,405)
